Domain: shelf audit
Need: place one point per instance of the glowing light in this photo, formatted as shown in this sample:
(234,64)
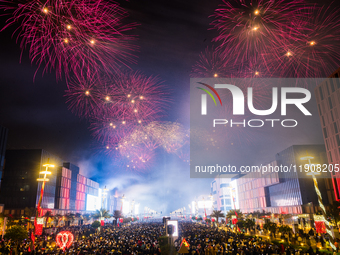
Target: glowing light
(139,121)
(107,98)
(107,147)
(255,28)
(64,239)
(123,122)
(92,41)
(128,95)
(289,54)
(215,75)
(132,101)
(257,12)
(312,43)
(65,40)
(111,124)
(135,110)
(257,73)
(45,10)
(87,92)
(68,27)
(141,97)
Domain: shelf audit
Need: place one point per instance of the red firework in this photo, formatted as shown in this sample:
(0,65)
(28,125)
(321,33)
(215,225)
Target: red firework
(79,36)
(250,29)
(138,99)
(315,53)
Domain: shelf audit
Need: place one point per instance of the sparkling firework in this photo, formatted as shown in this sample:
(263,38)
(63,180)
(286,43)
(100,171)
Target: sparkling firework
(79,36)
(250,29)
(316,52)
(137,149)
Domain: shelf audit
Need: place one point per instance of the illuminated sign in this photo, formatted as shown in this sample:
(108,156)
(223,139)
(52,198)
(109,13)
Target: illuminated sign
(174,223)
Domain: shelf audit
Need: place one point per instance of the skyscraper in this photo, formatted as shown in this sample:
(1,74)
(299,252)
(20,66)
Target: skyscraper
(328,100)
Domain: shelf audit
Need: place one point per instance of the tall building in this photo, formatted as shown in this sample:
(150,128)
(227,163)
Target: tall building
(284,192)
(221,192)
(328,100)
(65,192)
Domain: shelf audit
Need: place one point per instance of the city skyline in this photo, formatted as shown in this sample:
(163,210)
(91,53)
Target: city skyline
(33,107)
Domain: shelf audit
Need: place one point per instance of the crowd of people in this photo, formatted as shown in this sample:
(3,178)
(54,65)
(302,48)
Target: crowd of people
(144,238)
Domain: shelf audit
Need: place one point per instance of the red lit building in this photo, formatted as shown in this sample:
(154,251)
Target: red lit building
(328,101)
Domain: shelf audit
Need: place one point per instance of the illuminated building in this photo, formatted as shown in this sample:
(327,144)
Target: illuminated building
(251,189)
(203,205)
(65,192)
(284,192)
(221,192)
(328,101)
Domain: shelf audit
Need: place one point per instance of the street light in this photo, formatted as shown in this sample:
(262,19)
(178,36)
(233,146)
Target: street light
(323,209)
(43,180)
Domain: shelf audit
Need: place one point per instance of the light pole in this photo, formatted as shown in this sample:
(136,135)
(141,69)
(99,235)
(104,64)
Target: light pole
(43,180)
(323,209)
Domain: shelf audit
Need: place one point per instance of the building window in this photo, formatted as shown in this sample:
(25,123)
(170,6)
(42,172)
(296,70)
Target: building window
(332,85)
(321,94)
(319,109)
(224,185)
(335,127)
(327,89)
(330,103)
(338,140)
(325,133)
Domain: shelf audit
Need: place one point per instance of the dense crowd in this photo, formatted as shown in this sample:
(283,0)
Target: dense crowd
(144,238)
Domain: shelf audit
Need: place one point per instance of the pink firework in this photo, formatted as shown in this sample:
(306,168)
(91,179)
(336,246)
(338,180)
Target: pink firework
(250,29)
(316,51)
(78,36)
(211,63)
(86,97)
(138,99)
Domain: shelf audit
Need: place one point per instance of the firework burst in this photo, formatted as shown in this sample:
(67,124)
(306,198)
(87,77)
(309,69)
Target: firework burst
(250,29)
(316,51)
(78,36)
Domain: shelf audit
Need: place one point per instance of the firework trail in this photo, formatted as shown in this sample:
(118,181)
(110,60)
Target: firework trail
(316,51)
(79,37)
(251,29)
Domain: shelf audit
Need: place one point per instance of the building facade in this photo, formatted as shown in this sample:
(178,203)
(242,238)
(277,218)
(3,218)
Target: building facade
(251,189)
(65,192)
(328,101)
(221,192)
(284,192)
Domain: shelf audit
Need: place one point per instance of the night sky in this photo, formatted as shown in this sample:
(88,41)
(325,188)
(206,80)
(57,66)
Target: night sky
(171,36)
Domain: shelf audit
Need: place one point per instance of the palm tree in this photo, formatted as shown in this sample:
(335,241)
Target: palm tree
(70,217)
(48,215)
(117,214)
(101,214)
(217,214)
(29,213)
(334,212)
(57,217)
(235,212)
